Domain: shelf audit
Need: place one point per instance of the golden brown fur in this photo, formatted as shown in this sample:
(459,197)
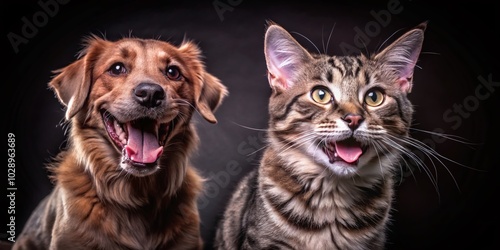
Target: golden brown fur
(106,194)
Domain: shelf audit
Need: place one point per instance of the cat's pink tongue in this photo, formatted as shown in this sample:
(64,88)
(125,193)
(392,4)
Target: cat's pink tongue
(142,145)
(349,150)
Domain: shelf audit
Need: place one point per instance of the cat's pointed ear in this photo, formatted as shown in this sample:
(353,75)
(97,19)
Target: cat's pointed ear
(401,56)
(284,57)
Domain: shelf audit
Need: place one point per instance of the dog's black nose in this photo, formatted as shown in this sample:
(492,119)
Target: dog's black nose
(149,94)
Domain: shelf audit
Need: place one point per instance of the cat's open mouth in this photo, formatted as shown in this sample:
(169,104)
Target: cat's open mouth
(141,141)
(348,150)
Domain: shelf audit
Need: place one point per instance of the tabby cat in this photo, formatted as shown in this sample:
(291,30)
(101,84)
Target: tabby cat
(325,180)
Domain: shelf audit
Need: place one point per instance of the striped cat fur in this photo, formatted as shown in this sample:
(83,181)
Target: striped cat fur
(325,180)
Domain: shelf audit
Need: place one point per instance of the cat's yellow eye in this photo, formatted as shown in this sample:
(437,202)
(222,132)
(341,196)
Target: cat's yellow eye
(321,95)
(374,98)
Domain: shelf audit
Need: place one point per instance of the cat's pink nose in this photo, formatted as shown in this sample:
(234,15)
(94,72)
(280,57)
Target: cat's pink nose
(353,120)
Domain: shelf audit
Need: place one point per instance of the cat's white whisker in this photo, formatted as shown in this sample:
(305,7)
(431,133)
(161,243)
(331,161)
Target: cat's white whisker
(318,144)
(325,49)
(296,141)
(257,150)
(250,128)
(430,155)
(385,147)
(450,137)
(304,140)
(430,53)
(385,41)
(309,40)
(323,39)
(366,48)
(422,146)
(415,158)
(374,146)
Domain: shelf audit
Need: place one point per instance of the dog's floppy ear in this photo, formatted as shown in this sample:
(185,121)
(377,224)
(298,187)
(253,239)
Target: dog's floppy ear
(72,83)
(209,91)
(211,96)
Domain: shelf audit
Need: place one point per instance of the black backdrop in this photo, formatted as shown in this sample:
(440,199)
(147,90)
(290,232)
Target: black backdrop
(455,92)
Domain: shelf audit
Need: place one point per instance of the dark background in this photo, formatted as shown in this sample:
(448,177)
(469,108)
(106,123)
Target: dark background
(444,205)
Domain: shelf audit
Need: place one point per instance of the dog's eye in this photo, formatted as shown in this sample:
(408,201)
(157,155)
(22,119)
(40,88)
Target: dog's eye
(117,69)
(173,73)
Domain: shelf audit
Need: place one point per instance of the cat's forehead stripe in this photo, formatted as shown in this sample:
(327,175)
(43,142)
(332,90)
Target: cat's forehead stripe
(356,71)
(358,60)
(353,64)
(348,66)
(335,65)
(367,78)
(329,76)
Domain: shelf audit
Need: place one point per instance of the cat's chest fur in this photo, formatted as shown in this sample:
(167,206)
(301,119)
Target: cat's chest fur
(317,210)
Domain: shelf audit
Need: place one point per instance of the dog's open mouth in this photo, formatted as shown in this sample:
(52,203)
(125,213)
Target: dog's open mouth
(141,141)
(348,150)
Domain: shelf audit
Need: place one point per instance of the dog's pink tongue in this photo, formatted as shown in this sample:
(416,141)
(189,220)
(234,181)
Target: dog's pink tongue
(349,150)
(142,145)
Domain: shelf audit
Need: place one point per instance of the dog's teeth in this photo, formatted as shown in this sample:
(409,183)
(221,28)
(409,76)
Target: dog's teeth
(121,136)
(118,128)
(119,132)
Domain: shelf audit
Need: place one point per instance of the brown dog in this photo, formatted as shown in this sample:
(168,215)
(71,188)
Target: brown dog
(124,181)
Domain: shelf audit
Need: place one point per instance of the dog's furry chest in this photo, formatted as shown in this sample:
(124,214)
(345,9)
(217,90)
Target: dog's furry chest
(74,215)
